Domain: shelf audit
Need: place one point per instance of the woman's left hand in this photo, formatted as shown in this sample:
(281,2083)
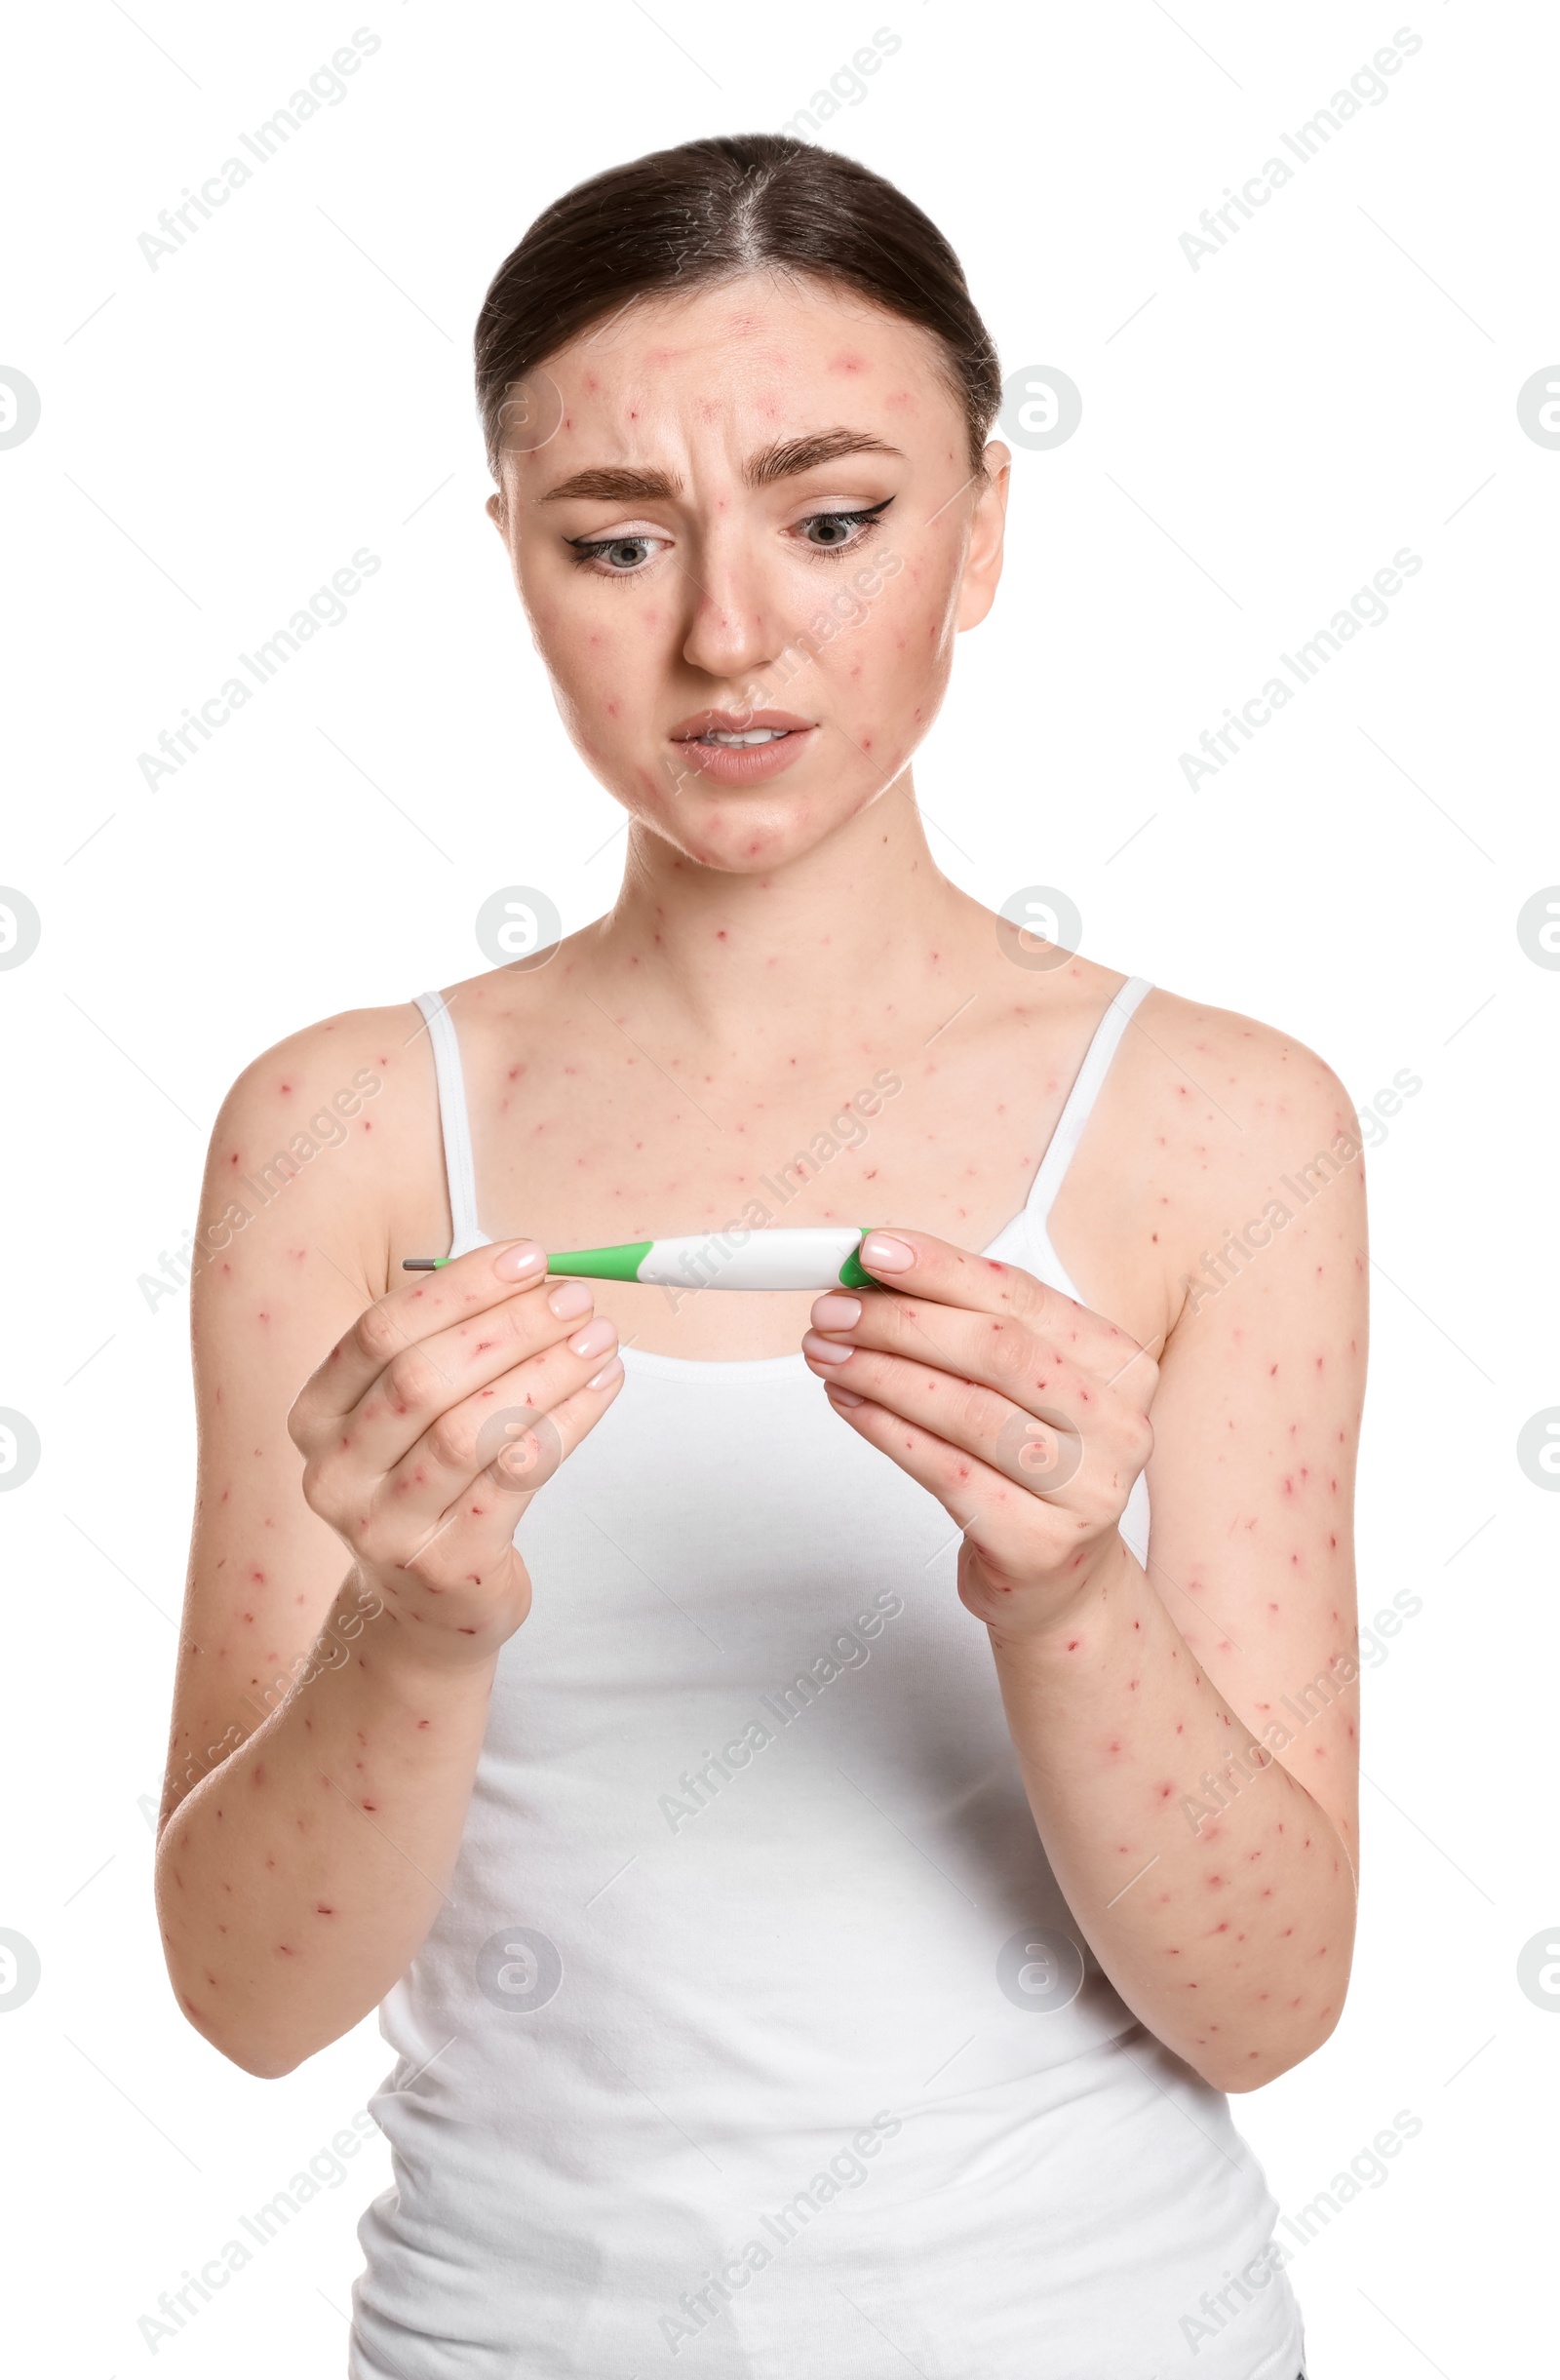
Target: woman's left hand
(1025,1413)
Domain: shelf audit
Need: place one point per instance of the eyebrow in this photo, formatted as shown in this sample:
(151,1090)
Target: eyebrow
(781,461)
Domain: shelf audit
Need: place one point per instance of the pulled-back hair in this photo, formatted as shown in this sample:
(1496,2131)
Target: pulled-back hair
(691,218)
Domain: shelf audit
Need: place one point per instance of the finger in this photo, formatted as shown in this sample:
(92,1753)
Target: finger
(970,1492)
(432,1376)
(507,1428)
(934,1274)
(461,1540)
(416,1310)
(1041,1451)
(1031,1367)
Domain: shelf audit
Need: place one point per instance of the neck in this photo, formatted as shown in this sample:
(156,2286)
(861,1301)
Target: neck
(865,920)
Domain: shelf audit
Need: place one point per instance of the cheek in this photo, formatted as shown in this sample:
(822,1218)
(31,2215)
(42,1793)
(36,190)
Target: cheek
(894,671)
(909,633)
(603,669)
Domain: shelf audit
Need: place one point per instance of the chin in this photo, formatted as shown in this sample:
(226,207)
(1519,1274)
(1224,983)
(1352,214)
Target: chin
(746,836)
(742,845)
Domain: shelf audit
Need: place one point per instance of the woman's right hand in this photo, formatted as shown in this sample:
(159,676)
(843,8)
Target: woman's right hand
(431,1424)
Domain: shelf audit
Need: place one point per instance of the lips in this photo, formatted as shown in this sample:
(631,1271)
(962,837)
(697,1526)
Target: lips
(738,748)
(738,730)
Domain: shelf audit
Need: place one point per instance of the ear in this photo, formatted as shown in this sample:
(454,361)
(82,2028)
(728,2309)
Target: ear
(495,509)
(982,559)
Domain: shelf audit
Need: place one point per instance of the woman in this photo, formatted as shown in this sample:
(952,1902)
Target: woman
(820,1873)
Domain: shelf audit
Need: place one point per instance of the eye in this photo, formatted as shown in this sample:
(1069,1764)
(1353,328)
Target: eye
(614,557)
(839,531)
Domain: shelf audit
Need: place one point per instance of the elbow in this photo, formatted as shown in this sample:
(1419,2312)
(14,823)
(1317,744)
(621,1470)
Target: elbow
(265,2059)
(253,2052)
(1251,2063)
(1260,2068)
(267,2065)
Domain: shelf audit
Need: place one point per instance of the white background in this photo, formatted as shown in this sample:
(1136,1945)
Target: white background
(1259,435)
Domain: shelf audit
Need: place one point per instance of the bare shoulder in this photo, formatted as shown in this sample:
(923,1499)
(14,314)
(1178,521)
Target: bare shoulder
(1204,1065)
(332,1133)
(1208,1120)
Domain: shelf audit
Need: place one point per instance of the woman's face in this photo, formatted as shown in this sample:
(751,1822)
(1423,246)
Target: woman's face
(754,517)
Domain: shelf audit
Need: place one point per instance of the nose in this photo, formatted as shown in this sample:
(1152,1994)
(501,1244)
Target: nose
(734,628)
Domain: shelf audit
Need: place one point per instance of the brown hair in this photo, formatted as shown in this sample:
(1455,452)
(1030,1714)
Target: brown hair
(689,217)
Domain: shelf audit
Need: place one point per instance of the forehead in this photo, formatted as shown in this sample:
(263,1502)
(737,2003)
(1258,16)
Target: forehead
(765,354)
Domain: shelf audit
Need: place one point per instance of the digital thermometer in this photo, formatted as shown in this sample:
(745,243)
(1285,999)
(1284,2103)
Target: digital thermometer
(819,1256)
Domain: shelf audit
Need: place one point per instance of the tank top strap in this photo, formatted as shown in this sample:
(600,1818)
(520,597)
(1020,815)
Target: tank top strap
(460,1167)
(1081,1098)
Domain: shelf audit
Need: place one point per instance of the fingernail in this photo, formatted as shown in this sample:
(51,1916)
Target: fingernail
(609,1373)
(513,1264)
(595,1339)
(825,1350)
(841,1396)
(880,1254)
(570,1297)
(834,1313)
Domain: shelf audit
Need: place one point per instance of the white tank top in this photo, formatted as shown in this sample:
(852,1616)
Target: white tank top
(756,2038)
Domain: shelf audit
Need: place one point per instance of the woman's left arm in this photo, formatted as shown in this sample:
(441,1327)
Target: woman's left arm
(1188,1733)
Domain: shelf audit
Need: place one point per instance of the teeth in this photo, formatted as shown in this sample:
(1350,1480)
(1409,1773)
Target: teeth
(749,735)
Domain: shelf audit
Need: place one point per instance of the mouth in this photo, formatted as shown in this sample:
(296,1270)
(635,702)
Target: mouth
(741,748)
(735,730)
(738,740)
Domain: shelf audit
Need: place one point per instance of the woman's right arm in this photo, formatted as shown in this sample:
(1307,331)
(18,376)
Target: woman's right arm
(344,1612)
